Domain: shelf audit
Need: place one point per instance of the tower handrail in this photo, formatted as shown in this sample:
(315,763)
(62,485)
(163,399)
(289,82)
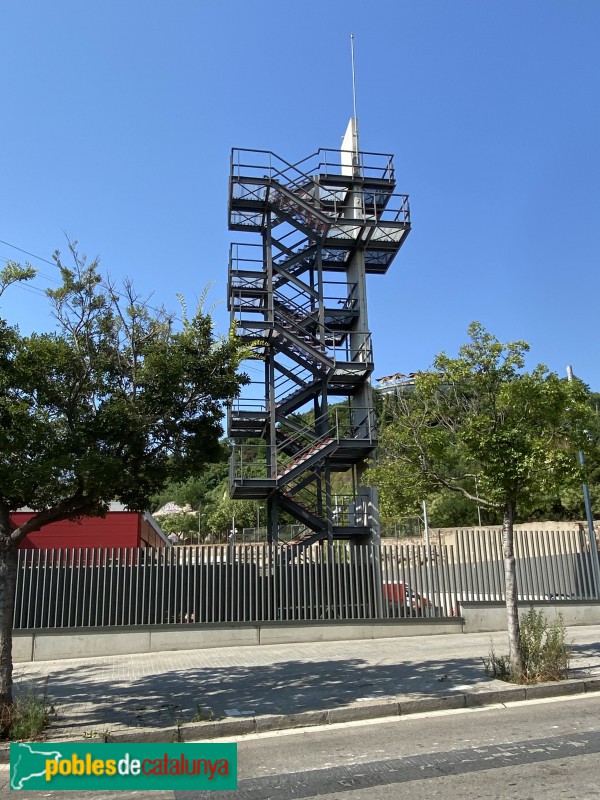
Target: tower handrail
(326,158)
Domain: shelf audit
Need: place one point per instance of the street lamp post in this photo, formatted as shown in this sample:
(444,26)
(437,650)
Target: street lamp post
(471,475)
(258,510)
(589,515)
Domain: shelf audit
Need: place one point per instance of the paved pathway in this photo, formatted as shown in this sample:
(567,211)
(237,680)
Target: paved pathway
(94,695)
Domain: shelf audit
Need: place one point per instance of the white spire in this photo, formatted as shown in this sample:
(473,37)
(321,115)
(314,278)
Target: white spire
(350,148)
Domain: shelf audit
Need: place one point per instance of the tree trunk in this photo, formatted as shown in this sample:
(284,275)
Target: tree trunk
(8,582)
(510,580)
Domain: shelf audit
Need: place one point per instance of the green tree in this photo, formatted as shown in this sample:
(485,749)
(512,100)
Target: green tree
(196,491)
(224,510)
(184,524)
(111,405)
(483,414)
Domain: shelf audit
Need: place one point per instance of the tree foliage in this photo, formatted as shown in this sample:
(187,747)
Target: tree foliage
(482,414)
(115,402)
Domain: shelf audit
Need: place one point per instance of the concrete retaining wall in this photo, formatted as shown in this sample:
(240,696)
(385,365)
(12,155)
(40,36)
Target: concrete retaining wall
(45,645)
(83,643)
(482,617)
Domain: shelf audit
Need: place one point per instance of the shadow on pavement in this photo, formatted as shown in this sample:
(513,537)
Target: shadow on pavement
(280,688)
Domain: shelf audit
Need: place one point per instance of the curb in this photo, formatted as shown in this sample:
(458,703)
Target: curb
(239,726)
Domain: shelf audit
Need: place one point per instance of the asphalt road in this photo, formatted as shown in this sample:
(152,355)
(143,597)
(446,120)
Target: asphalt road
(526,751)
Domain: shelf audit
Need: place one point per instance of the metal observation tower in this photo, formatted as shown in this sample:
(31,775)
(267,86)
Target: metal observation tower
(304,427)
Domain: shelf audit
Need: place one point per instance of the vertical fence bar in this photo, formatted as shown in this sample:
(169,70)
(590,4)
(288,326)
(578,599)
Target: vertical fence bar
(162,581)
(280,561)
(422,588)
(203,601)
(546,583)
(172,595)
(456,576)
(487,555)
(447,603)
(43,598)
(579,559)
(472,566)
(259,571)
(587,557)
(30,572)
(414,586)
(367,566)
(111,569)
(394,581)
(363,586)
(120,576)
(139,576)
(404,590)
(584,571)
(352,580)
(344,584)
(437,569)
(476,539)
(96,573)
(539,566)
(51,588)
(82,601)
(243,582)
(144,567)
(25,614)
(570,564)
(190,577)
(224,594)
(560,570)
(159,558)
(499,543)
(551,564)
(519,562)
(528,571)
(387,581)
(70,600)
(392,585)
(460,567)
(209,594)
(292,553)
(180,559)
(547,566)
(409,586)
(270,582)
(564,563)
(20,592)
(198,588)
(58,594)
(486,564)
(337,583)
(35,587)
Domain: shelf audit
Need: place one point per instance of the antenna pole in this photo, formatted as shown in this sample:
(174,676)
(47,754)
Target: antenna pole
(353,76)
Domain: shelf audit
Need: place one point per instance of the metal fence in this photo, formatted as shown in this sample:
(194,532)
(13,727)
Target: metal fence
(261,583)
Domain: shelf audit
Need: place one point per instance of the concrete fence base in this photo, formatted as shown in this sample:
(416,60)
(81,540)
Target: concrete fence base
(477,617)
(481,617)
(48,645)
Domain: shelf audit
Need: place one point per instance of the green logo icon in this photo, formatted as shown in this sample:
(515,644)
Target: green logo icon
(58,766)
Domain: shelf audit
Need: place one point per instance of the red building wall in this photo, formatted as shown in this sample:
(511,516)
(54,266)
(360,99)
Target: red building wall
(149,536)
(117,529)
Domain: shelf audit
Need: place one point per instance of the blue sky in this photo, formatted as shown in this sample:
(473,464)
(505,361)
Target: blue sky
(118,119)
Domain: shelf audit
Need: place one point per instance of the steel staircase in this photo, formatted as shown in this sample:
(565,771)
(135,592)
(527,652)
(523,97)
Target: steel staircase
(314,219)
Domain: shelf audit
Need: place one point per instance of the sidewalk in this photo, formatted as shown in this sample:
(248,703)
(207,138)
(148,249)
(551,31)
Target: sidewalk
(162,696)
